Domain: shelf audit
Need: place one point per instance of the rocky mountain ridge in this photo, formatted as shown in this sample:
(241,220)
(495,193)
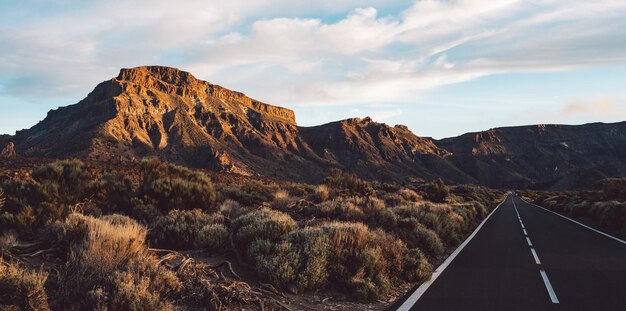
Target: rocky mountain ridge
(168,113)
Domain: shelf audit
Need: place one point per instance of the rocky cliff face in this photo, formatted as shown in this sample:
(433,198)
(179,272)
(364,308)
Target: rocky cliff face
(168,113)
(165,112)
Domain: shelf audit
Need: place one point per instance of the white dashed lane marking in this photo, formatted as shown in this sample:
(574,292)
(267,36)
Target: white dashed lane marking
(544,276)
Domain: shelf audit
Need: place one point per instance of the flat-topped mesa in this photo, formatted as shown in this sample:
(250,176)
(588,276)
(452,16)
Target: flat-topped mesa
(181,83)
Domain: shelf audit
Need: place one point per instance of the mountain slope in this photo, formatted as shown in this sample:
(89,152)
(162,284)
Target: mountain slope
(168,113)
(165,112)
(547,156)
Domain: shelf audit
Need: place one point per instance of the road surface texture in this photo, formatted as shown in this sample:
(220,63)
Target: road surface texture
(527,258)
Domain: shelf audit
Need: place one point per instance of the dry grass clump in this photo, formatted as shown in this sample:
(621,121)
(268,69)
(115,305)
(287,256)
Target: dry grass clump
(336,255)
(340,181)
(282,199)
(321,193)
(189,229)
(21,288)
(436,191)
(177,187)
(108,267)
(1,198)
(340,208)
(409,195)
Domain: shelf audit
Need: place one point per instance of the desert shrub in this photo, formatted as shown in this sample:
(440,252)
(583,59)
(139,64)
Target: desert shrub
(144,210)
(22,289)
(189,229)
(377,214)
(339,180)
(428,240)
(65,180)
(177,187)
(281,199)
(108,266)
(321,193)
(416,235)
(393,199)
(252,193)
(276,262)
(438,217)
(612,188)
(409,195)
(340,208)
(436,191)
(416,266)
(249,194)
(345,256)
(113,193)
(263,224)
(390,187)
(212,237)
(231,209)
(299,190)
(27,206)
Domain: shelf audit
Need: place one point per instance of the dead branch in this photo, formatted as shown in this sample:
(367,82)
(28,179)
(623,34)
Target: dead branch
(41,252)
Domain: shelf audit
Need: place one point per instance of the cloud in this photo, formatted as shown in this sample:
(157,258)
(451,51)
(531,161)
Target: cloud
(598,108)
(296,53)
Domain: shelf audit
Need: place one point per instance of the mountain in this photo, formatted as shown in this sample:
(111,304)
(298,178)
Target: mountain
(168,113)
(541,156)
(165,112)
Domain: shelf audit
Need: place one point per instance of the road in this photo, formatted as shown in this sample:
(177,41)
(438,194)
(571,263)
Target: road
(527,258)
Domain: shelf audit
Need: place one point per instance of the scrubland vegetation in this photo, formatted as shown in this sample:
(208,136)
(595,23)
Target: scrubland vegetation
(75,240)
(602,206)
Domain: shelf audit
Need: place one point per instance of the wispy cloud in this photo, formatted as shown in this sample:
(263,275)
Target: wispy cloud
(598,108)
(296,53)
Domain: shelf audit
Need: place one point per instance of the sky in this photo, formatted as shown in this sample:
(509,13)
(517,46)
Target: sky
(442,68)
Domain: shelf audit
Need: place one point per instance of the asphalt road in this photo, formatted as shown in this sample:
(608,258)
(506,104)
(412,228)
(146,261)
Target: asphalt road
(527,258)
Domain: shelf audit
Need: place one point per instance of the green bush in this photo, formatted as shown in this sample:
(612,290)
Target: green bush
(189,229)
(22,289)
(339,255)
(263,224)
(27,207)
(113,193)
(65,180)
(416,266)
(176,187)
(276,262)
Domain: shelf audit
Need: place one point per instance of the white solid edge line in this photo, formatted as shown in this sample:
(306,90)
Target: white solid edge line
(549,287)
(422,288)
(535,255)
(574,221)
(528,240)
